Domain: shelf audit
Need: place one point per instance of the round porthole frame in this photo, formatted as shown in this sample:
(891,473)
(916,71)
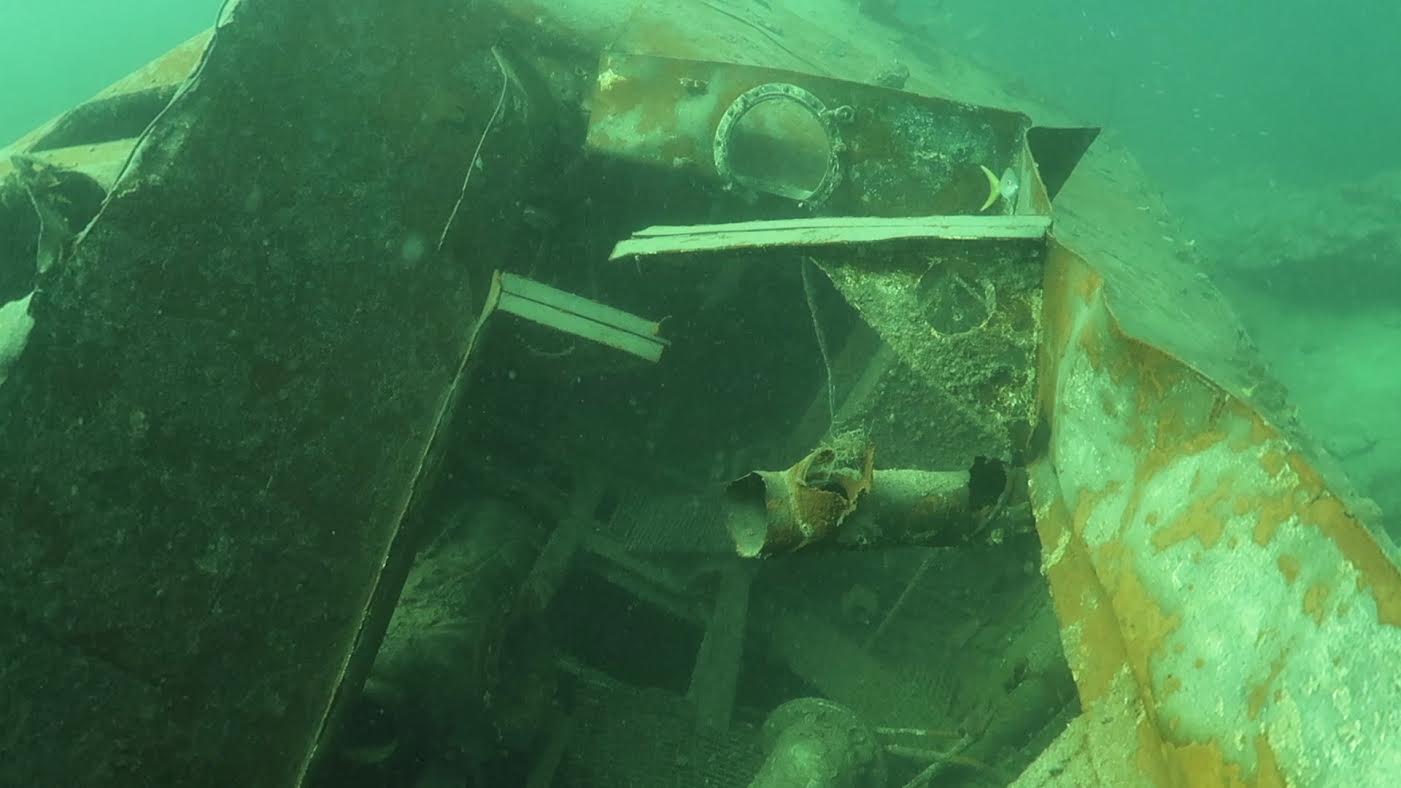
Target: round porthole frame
(829,120)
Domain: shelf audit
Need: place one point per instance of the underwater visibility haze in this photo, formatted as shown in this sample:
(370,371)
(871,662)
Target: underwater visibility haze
(768,393)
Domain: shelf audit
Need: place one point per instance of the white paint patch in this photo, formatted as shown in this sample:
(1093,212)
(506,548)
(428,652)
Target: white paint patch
(1091,445)
(1301,663)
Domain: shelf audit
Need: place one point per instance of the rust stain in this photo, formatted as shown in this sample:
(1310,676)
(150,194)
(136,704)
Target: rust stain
(1200,520)
(659,36)
(1111,408)
(1092,344)
(1201,764)
(1142,624)
(1267,771)
(1316,601)
(1309,480)
(1379,577)
(1377,574)
(1260,430)
(1096,653)
(1089,502)
(1171,684)
(1069,285)
(1153,752)
(1056,318)
(1274,511)
(1119,365)
(1240,506)
(1260,693)
(1205,764)
(1273,461)
(1086,286)
(649,97)
(1100,596)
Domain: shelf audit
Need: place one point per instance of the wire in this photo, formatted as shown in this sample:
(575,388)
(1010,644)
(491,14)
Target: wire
(810,293)
(476,155)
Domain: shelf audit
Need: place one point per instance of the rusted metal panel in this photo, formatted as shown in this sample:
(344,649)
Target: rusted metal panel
(1206,576)
(824,37)
(1159,295)
(965,317)
(891,153)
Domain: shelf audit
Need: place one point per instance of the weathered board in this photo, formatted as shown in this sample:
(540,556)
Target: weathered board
(833,231)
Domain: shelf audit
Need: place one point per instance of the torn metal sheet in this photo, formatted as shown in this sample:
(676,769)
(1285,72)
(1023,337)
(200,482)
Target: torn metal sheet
(62,202)
(96,137)
(41,209)
(1208,579)
(223,418)
(843,147)
(956,298)
(782,511)
(15,325)
(827,231)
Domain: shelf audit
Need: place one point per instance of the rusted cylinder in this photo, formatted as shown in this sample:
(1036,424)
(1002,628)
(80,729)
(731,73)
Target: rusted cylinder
(907,506)
(781,511)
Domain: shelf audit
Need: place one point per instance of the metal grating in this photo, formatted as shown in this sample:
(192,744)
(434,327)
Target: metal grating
(671,524)
(629,737)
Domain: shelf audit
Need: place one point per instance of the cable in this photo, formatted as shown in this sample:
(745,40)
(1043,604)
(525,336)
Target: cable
(810,293)
(476,155)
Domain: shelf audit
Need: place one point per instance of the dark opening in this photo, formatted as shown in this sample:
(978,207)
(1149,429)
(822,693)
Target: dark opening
(986,481)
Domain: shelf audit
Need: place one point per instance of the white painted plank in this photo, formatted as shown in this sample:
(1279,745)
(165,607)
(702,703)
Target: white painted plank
(647,348)
(569,302)
(827,231)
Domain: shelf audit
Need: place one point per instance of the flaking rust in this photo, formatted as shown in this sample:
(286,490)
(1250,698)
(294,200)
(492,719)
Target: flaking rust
(781,511)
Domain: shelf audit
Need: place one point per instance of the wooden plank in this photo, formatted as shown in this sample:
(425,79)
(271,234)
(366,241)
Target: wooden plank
(569,302)
(716,673)
(643,347)
(977,222)
(827,232)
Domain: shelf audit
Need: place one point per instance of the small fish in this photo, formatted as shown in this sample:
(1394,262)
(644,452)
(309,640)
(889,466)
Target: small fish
(1008,186)
(1005,187)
